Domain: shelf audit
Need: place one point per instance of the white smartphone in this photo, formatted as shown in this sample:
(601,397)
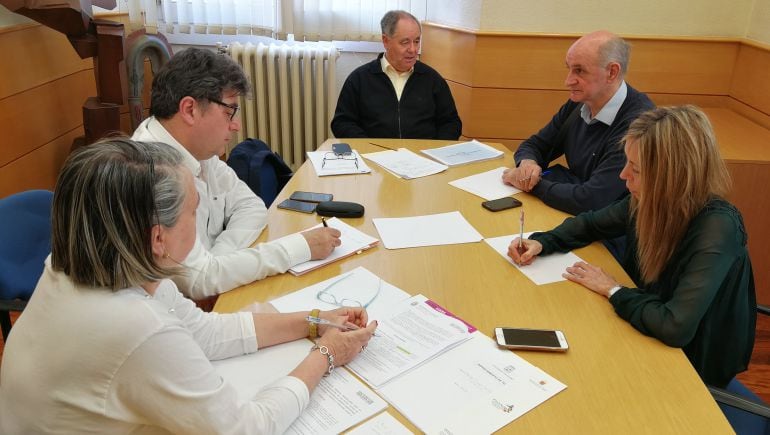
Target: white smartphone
(531,339)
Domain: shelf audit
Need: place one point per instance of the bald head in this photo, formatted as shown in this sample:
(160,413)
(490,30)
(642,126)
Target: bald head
(604,47)
(597,63)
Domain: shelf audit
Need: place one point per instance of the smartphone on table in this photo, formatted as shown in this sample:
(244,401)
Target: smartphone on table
(501,204)
(531,339)
(341,149)
(300,206)
(311,196)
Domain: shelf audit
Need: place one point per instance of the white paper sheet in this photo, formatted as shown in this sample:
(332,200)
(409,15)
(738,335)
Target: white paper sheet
(430,230)
(337,166)
(414,332)
(544,270)
(462,153)
(473,388)
(352,241)
(338,402)
(488,185)
(383,424)
(359,284)
(405,163)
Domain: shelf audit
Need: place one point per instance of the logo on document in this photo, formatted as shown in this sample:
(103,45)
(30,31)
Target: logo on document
(500,406)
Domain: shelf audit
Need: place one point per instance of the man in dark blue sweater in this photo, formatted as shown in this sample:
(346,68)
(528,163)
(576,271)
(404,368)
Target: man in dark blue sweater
(395,95)
(587,130)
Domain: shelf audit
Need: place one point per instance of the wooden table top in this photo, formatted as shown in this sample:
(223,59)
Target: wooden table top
(618,380)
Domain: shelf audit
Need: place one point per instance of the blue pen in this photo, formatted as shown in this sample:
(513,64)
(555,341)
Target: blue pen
(545,172)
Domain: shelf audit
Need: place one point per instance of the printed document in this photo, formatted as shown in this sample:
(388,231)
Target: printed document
(383,424)
(544,270)
(475,387)
(462,153)
(488,185)
(326,163)
(415,331)
(405,164)
(338,402)
(430,230)
(352,241)
(358,287)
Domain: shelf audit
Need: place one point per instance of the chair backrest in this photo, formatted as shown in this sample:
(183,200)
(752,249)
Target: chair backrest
(260,168)
(25,241)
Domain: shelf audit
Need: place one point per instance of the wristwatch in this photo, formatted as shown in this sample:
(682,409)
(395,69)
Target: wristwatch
(312,328)
(329,357)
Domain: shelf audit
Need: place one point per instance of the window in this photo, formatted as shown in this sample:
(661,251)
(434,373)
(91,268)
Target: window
(310,20)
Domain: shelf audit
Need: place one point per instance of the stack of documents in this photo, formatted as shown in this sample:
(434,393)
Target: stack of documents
(352,242)
(337,166)
(488,185)
(544,270)
(431,230)
(462,153)
(338,402)
(415,331)
(405,164)
(437,370)
(475,387)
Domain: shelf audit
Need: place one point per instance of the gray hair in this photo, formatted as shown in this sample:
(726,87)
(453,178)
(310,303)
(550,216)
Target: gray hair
(197,73)
(108,197)
(615,50)
(390,20)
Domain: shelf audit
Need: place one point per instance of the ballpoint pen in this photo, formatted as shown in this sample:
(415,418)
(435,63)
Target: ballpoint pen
(382,146)
(323,221)
(521,232)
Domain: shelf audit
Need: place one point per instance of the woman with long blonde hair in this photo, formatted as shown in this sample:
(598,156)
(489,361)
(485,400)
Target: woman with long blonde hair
(686,249)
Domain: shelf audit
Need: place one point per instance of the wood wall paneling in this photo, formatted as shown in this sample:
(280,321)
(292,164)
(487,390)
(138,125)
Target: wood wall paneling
(750,181)
(35,55)
(750,84)
(35,117)
(749,112)
(39,168)
(682,66)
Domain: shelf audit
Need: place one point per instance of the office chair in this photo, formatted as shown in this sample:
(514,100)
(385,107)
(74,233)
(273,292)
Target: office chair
(25,242)
(744,410)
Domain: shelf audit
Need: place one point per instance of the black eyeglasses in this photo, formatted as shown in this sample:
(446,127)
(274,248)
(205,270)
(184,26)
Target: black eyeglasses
(233,107)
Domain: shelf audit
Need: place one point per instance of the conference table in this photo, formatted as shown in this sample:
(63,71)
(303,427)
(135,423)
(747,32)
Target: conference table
(618,380)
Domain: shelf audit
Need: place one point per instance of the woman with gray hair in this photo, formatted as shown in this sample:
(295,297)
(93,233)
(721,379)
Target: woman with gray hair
(108,344)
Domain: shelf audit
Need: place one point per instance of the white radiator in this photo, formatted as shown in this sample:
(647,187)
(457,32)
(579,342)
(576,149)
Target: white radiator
(293,96)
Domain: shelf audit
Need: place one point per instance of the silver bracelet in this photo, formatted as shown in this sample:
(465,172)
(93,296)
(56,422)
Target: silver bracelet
(329,357)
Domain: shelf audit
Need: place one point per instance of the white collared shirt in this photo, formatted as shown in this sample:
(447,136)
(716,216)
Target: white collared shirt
(397,78)
(93,360)
(229,218)
(610,110)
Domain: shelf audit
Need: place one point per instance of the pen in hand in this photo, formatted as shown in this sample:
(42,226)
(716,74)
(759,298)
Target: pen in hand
(319,321)
(521,233)
(323,221)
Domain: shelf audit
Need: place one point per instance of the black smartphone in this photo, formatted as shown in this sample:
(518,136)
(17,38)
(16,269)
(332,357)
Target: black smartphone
(501,204)
(341,149)
(291,204)
(311,196)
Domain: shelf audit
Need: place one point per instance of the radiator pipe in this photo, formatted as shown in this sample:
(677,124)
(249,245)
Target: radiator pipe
(140,46)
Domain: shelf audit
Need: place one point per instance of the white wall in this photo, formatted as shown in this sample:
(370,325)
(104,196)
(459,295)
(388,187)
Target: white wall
(630,17)
(8,18)
(720,18)
(759,24)
(456,13)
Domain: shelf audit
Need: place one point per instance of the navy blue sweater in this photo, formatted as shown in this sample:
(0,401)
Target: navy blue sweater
(594,155)
(368,106)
